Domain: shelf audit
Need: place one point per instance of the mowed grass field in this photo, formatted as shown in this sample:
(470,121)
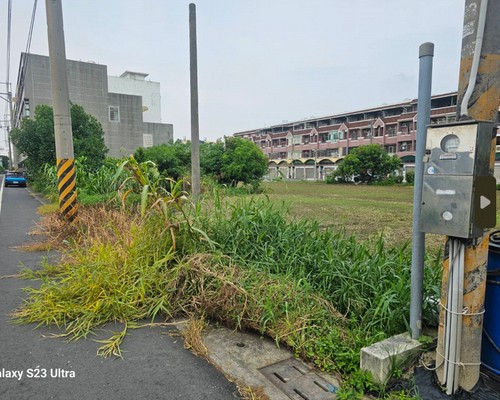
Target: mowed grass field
(362,210)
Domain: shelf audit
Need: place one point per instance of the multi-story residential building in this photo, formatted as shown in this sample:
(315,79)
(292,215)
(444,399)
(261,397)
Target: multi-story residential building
(128,107)
(309,149)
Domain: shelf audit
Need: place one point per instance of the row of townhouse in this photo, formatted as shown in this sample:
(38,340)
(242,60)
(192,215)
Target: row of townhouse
(310,149)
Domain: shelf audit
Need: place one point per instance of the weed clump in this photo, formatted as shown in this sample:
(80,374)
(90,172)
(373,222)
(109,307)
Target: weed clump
(121,273)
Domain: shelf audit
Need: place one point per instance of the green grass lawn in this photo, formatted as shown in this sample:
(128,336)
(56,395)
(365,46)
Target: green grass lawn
(363,210)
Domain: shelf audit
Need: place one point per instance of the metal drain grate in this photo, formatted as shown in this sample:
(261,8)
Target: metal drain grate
(295,379)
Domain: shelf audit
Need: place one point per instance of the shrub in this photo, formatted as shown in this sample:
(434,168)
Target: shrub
(410,176)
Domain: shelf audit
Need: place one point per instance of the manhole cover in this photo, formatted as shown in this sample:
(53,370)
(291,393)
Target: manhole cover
(298,382)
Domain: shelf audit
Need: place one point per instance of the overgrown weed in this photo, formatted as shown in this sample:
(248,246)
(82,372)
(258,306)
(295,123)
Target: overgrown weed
(321,293)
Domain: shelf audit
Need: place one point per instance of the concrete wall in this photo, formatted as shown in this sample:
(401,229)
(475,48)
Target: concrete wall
(161,133)
(124,137)
(87,82)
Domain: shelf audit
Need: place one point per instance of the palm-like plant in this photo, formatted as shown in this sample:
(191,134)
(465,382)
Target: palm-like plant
(158,193)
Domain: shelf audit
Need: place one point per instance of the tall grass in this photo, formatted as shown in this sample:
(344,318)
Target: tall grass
(368,282)
(93,185)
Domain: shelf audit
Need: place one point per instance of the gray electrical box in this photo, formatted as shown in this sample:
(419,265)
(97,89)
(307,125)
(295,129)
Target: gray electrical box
(459,190)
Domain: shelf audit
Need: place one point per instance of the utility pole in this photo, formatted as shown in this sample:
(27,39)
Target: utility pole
(12,152)
(478,99)
(66,174)
(195,129)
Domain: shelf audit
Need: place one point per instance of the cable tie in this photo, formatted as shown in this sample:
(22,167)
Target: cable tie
(465,311)
(460,363)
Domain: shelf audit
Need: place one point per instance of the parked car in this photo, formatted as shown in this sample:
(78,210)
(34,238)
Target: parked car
(14,178)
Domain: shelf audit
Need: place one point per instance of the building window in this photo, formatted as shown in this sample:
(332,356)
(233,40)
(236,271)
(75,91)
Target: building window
(405,146)
(114,114)
(26,108)
(391,149)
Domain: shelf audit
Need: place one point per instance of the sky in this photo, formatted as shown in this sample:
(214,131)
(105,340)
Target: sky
(260,62)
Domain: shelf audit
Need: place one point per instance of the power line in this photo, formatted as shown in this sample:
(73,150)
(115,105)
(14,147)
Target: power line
(30,34)
(28,46)
(9,29)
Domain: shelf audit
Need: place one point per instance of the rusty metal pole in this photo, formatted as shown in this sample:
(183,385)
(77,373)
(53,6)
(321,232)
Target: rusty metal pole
(478,98)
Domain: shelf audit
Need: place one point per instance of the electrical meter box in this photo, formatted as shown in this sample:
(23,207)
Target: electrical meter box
(459,190)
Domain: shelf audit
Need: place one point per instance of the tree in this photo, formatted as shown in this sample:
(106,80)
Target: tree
(211,159)
(367,163)
(88,137)
(4,162)
(172,160)
(230,162)
(35,137)
(243,162)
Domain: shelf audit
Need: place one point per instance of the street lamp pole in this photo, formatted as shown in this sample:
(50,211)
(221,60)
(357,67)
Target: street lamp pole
(11,121)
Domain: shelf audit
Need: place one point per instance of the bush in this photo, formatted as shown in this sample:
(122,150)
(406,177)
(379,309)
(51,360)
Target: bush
(410,176)
(333,179)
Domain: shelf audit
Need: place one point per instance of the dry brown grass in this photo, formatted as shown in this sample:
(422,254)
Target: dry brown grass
(253,393)
(102,223)
(192,334)
(249,300)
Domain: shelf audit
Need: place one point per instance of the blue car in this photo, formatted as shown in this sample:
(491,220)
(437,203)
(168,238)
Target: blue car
(15,179)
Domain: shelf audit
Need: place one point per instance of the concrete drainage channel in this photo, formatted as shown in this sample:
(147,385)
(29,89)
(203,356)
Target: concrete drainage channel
(258,362)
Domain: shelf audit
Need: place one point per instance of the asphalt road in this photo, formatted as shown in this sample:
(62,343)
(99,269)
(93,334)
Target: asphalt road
(155,365)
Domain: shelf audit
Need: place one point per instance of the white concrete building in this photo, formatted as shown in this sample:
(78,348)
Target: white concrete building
(135,83)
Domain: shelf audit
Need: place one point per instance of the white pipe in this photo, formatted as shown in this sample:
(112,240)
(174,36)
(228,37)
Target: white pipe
(460,295)
(476,57)
(453,326)
(447,316)
(450,326)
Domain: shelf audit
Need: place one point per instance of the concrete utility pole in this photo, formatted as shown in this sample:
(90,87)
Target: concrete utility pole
(12,163)
(478,98)
(66,174)
(195,129)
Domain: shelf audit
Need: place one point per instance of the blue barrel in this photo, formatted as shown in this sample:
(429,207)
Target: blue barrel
(490,347)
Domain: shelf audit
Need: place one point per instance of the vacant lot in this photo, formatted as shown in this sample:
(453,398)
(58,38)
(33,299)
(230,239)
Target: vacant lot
(362,210)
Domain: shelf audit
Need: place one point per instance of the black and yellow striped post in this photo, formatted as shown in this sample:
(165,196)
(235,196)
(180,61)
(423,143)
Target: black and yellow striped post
(66,185)
(66,174)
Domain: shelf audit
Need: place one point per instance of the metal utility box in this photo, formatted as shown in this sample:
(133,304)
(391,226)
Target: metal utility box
(456,173)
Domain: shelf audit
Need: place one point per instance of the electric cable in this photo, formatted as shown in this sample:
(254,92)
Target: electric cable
(30,34)
(476,57)
(27,49)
